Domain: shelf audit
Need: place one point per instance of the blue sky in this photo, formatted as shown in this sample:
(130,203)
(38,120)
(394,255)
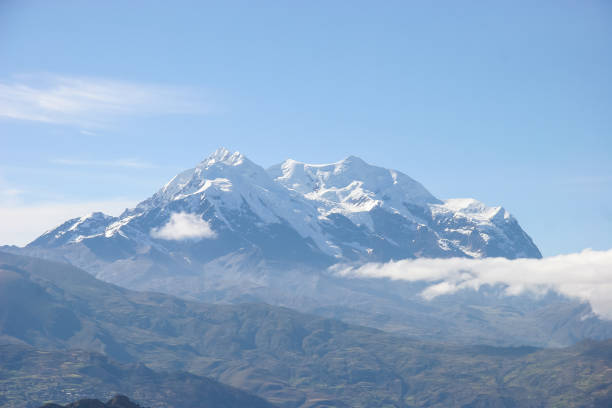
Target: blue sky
(510,103)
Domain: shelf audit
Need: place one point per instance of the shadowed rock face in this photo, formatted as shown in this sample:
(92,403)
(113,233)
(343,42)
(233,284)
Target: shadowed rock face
(118,401)
(29,376)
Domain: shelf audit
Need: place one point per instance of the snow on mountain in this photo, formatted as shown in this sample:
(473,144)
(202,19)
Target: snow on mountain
(295,213)
(235,186)
(471,225)
(352,187)
(75,230)
(398,217)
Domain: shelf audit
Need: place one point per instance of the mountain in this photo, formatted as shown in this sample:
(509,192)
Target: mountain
(370,213)
(289,358)
(229,231)
(315,215)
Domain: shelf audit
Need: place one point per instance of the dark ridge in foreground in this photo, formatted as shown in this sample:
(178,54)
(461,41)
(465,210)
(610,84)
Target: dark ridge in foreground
(118,401)
(30,377)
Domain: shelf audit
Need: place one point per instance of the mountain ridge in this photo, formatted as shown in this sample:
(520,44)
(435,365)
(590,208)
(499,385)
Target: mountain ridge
(344,211)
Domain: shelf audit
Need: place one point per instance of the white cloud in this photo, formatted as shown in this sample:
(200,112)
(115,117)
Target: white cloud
(586,276)
(20,224)
(184,226)
(91,102)
(129,163)
(9,195)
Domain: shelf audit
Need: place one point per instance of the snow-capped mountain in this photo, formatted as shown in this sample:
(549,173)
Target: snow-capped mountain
(294,212)
(229,230)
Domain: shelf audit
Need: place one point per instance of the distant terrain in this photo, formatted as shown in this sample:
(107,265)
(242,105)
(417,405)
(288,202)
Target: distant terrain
(289,358)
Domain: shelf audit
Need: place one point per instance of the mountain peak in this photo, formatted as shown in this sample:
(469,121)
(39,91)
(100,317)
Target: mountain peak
(353,160)
(225,156)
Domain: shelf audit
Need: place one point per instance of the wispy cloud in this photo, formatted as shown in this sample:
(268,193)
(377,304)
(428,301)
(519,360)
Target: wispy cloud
(92,102)
(586,276)
(8,193)
(126,163)
(183,226)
